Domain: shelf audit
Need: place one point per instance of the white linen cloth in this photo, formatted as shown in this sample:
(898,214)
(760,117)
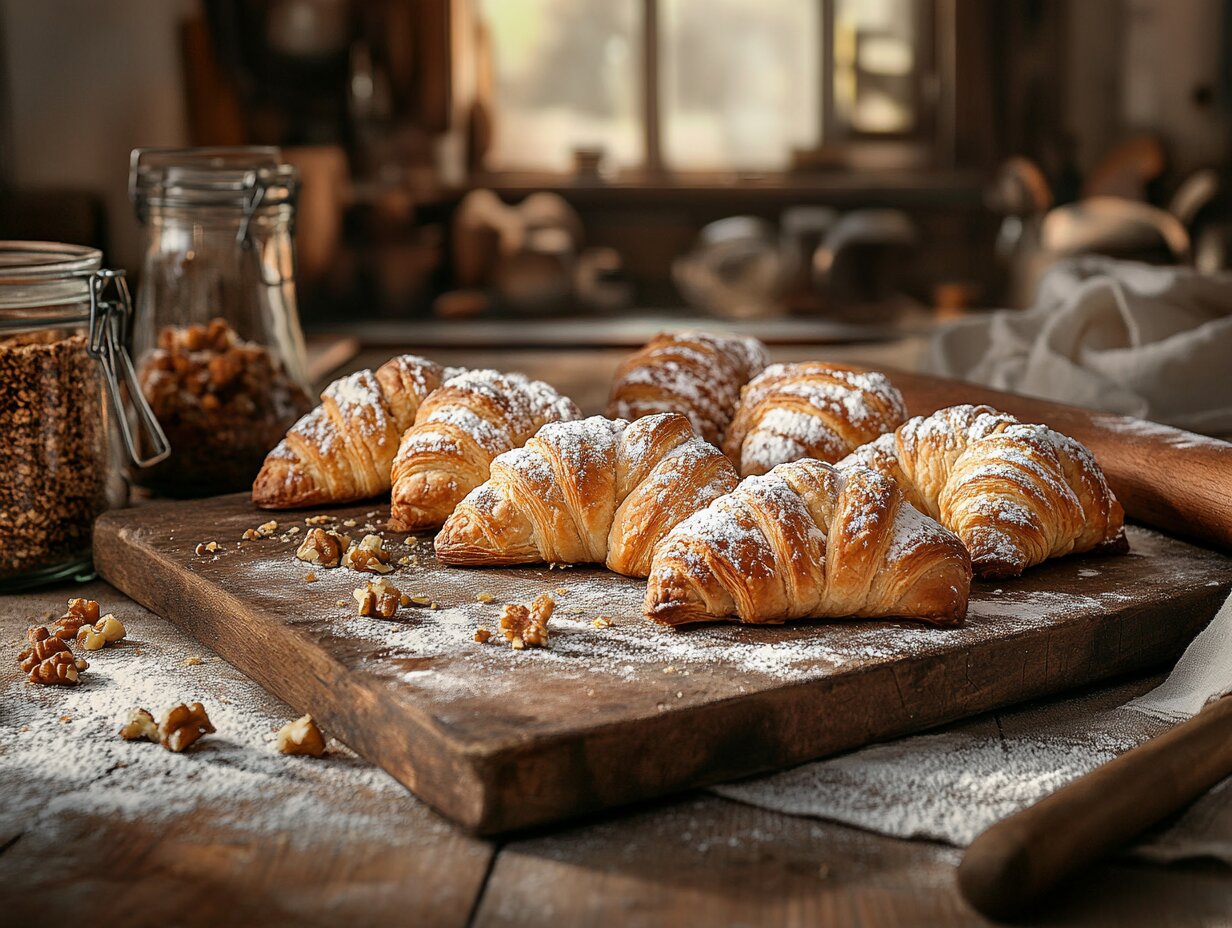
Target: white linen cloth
(1129,338)
(952,785)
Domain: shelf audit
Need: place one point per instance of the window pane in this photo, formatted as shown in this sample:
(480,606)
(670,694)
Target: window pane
(875,64)
(565,75)
(741,82)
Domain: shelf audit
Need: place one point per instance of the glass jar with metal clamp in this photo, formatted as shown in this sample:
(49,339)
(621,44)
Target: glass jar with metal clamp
(220,354)
(68,396)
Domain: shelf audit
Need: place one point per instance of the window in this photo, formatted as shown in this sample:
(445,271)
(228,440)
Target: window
(701,85)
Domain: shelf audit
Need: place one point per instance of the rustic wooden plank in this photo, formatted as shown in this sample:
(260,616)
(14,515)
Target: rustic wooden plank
(296,840)
(706,861)
(499,740)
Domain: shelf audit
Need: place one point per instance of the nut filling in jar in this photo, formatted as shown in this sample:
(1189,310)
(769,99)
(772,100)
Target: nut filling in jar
(60,358)
(217,337)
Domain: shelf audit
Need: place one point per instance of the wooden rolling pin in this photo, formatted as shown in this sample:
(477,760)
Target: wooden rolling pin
(1173,480)
(1012,865)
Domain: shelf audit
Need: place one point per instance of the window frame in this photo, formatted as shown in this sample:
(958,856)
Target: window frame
(927,146)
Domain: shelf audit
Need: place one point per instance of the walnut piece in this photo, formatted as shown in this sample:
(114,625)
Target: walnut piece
(369,556)
(378,598)
(602,622)
(140,726)
(318,520)
(181,725)
(58,669)
(301,737)
(80,612)
(107,630)
(525,627)
(206,547)
(484,597)
(323,547)
(265,529)
(482,635)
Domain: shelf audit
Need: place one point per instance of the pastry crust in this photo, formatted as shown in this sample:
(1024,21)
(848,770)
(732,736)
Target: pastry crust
(810,410)
(595,491)
(342,450)
(1015,493)
(807,541)
(458,432)
(693,373)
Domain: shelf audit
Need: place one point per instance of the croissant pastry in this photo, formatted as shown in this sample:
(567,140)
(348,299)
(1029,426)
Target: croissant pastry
(694,373)
(596,491)
(460,429)
(1016,494)
(342,450)
(810,410)
(806,541)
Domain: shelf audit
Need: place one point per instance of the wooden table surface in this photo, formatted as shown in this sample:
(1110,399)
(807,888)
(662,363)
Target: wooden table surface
(370,854)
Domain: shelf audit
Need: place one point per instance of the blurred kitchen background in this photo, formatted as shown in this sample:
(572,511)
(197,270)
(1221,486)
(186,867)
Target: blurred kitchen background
(586,171)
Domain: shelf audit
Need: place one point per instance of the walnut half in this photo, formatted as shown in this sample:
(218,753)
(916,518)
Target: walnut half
(369,556)
(378,598)
(140,726)
(525,627)
(323,547)
(181,725)
(301,737)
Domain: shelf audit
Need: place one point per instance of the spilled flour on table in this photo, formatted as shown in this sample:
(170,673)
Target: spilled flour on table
(62,761)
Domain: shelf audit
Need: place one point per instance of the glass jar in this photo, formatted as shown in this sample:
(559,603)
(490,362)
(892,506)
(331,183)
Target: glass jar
(62,324)
(219,349)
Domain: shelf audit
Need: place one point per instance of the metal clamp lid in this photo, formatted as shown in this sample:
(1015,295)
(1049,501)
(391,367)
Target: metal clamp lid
(108,324)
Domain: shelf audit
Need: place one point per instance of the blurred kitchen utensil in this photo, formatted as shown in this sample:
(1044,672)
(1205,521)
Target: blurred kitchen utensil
(1115,227)
(862,255)
(736,270)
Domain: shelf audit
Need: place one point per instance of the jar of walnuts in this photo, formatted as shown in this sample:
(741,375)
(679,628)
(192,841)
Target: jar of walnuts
(64,376)
(220,354)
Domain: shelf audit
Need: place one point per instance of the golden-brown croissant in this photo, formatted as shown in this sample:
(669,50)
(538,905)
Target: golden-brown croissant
(342,450)
(459,430)
(810,410)
(694,373)
(1016,494)
(806,541)
(595,491)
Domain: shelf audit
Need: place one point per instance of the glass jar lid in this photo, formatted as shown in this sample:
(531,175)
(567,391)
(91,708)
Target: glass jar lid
(244,177)
(46,283)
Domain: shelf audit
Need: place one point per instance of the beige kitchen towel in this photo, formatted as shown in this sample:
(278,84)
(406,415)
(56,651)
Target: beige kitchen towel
(952,785)
(1129,338)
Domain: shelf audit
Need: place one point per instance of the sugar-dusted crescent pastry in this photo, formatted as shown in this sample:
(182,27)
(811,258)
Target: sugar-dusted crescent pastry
(694,373)
(459,430)
(595,491)
(806,541)
(1016,494)
(810,410)
(342,450)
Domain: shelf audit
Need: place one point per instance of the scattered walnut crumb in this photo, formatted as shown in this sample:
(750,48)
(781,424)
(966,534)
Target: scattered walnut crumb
(561,590)
(181,725)
(265,529)
(301,737)
(482,635)
(669,669)
(421,599)
(140,725)
(350,523)
(377,598)
(323,547)
(525,627)
(406,561)
(318,520)
(368,556)
(192,660)
(484,597)
(250,534)
(206,547)
(293,530)
(340,602)
(602,622)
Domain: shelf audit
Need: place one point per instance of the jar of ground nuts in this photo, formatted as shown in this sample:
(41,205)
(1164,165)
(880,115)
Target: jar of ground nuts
(68,396)
(220,354)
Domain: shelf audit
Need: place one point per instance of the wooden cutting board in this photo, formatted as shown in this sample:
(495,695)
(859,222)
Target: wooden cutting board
(498,739)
